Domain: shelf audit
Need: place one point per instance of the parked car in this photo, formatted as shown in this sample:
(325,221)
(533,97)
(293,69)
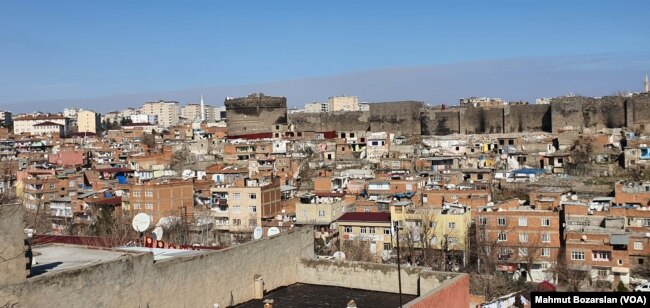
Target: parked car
(643,287)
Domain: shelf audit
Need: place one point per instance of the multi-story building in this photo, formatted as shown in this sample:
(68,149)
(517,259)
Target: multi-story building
(41,124)
(321,208)
(240,207)
(168,112)
(39,187)
(144,118)
(316,107)
(192,112)
(632,193)
(161,198)
(514,237)
(5,118)
(88,121)
(343,103)
(372,230)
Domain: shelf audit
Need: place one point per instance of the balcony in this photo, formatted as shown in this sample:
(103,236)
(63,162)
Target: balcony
(218,212)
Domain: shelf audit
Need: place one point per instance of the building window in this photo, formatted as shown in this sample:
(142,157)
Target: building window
(387,246)
(367,210)
(252,209)
(546,222)
(502,237)
(321,213)
(523,237)
(620,261)
(148,193)
(386,231)
(372,230)
(235,196)
(432,224)
(523,251)
(546,238)
(578,255)
(348,229)
(364,230)
(452,240)
(451,225)
(523,221)
(236,222)
(546,252)
(236,209)
(252,196)
(252,222)
(501,221)
(482,221)
(148,206)
(137,193)
(601,256)
(638,245)
(646,222)
(603,273)
(52,186)
(136,206)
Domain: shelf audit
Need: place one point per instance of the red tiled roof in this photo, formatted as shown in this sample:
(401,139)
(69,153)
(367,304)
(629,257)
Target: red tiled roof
(39,117)
(114,170)
(363,216)
(107,201)
(48,123)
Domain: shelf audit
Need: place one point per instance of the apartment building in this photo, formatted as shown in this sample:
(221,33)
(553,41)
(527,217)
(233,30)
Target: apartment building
(39,187)
(515,237)
(372,230)
(321,209)
(241,206)
(168,112)
(161,198)
(632,193)
(88,121)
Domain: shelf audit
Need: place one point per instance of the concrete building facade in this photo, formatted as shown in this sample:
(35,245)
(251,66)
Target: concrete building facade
(168,112)
(88,121)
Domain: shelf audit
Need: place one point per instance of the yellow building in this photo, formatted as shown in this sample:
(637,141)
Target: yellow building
(87,121)
(372,228)
(321,209)
(445,228)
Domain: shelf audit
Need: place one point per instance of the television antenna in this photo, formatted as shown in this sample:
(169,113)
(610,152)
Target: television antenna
(258,232)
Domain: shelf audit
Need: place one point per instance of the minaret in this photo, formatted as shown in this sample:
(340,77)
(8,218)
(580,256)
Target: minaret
(202,109)
(646,85)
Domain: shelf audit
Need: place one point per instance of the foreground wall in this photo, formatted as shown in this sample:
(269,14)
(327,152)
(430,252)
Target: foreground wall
(12,241)
(223,277)
(454,293)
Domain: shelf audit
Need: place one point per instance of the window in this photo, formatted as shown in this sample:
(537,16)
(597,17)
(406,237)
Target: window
(646,222)
(348,229)
(386,231)
(321,213)
(578,255)
(148,193)
(523,237)
(502,237)
(364,230)
(252,209)
(523,221)
(546,252)
(432,224)
(367,210)
(387,246)
(640,261)
(501,221)
(451,225)
(252,196)
(136,206)
(372,230)
(620,262)
(236,222)
(434,240)
(523,251)
(546,237)
(482,221)
(52,186)
(452,241)
(148,206)
(252,222)
(603,273)
(601,255)
(137,193)
(546,222)
(638,245)
(236,209)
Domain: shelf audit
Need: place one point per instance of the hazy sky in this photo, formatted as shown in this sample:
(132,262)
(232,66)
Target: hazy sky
(86,49)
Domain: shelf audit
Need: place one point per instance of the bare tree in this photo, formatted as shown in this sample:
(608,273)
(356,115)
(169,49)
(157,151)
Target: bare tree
(358,250)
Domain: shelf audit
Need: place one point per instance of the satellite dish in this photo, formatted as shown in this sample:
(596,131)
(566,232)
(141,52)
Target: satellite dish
(647,234)
(273,231)
(258,232)
(339,255)
(158,233)
(141,222)
(385,255)
(584,237)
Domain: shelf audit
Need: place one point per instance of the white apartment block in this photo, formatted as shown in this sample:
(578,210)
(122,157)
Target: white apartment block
(168,112)
(30,124)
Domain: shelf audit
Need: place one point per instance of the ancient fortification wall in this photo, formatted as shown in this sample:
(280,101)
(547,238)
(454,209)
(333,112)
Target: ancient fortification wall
(331,121)
(399,118)
(255,114)
(527,118)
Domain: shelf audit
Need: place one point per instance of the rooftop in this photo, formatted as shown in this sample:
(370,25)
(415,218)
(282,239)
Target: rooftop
(363,216)
(50,259)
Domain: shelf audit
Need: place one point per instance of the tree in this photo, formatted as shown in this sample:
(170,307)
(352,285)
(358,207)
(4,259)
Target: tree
(149,140)
(182,159)
(582,149)
(574,275)
(358,250)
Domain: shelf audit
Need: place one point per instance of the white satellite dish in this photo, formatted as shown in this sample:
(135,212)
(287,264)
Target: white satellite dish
(141,222)
(157,233)
(258,232)
(647,234)
(339,255)
(273,231)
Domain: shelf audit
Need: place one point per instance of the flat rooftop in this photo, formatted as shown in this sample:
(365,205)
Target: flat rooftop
(50,259)
(301,295)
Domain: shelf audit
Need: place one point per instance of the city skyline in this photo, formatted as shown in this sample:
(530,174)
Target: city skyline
(172,48)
